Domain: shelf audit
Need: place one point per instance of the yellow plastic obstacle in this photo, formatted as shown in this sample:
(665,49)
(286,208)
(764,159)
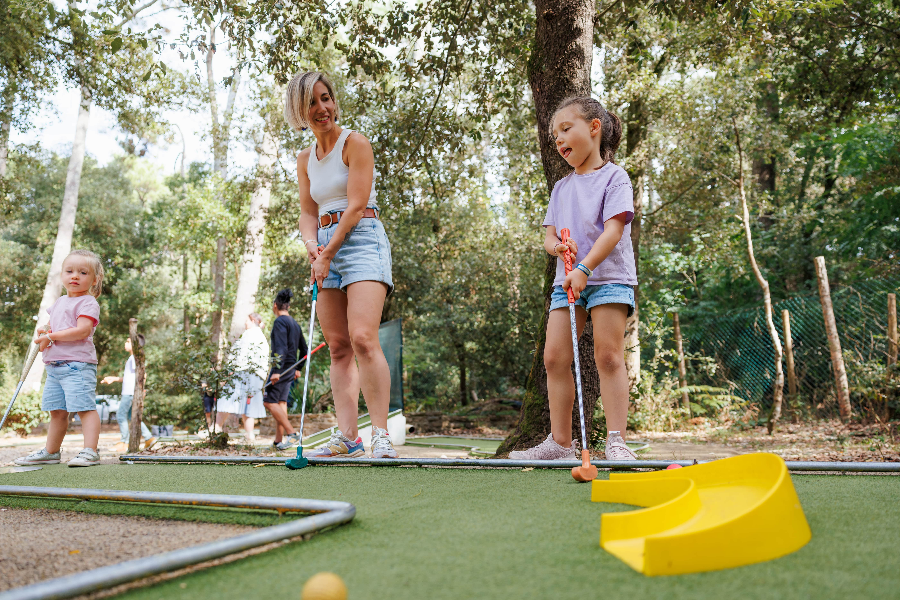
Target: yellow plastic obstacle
(727,513)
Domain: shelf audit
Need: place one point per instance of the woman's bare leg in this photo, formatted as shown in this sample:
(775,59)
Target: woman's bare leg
(609,352)
(558,357)
(365,301)
(331,309)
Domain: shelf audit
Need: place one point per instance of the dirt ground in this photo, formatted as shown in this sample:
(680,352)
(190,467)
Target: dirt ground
(39,544)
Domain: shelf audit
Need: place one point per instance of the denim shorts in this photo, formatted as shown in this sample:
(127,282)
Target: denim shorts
(71,387)
(595,295)
(365,255)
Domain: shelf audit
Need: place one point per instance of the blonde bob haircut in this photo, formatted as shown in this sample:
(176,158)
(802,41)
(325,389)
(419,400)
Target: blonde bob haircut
(96,268)
(299,98)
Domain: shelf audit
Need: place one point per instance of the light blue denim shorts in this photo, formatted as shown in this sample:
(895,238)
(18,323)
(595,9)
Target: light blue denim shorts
(71,387)
(595,295)
(365,255)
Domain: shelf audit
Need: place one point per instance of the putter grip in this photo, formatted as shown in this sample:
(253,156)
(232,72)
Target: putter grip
(567,260)
(32,354)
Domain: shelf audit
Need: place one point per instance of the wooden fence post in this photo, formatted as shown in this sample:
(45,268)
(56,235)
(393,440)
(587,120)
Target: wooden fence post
(842,388)
(789,353)
(892,329)
(682,369)
(140,378)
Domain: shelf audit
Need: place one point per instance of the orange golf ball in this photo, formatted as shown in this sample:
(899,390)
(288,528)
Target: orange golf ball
(324,586)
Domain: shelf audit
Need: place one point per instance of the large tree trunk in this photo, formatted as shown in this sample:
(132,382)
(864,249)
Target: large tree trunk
(778,388)
(63,244)
(248,283)
(6,114)
(559,66)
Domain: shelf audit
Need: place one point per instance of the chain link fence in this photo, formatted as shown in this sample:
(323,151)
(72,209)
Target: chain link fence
(740,344)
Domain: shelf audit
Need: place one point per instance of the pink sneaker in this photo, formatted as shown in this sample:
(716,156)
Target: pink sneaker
(546,450)
(616,449)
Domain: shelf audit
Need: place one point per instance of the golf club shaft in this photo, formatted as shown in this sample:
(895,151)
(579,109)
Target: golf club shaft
(312,323)
(29,360)
(316,349)
(567,261)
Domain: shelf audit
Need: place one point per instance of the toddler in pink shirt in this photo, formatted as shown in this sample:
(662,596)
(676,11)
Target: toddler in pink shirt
(67,346)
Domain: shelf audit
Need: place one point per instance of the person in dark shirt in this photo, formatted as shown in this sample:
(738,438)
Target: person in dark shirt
(287,346)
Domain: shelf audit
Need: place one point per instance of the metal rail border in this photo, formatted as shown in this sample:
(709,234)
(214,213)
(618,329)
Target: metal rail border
(794,466)
(327,513)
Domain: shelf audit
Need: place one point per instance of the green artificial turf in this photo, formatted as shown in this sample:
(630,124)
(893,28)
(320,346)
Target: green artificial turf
(432,534)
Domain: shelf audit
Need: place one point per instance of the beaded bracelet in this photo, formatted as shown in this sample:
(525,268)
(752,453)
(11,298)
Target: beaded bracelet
(584,269)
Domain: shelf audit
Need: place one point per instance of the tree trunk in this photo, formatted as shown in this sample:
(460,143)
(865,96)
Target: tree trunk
(892,330)
(841,387)
(63,244)
(463,384)
(184,288)
(140,381)
(248,283)
(220,135)
(636,135)
(789,353)
(778,389)
(682,367)
(6,115)
(559,66)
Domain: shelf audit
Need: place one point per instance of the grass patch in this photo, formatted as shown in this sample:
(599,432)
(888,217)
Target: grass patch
(485,534)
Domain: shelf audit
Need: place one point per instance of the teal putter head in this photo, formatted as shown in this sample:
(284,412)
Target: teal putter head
(297,463)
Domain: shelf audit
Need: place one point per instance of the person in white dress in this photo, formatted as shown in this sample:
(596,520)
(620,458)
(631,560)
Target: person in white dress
(249,356)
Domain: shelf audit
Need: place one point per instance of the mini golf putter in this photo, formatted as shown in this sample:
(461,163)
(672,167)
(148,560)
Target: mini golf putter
(301,461)
(727,513)
(586,472)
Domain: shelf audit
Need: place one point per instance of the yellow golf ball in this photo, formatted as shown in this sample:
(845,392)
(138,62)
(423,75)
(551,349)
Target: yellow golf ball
(324,586)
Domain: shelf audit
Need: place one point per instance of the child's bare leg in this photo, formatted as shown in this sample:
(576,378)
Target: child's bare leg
(248,426)
(59,422)
(558,357)
(609,352)
(90,427)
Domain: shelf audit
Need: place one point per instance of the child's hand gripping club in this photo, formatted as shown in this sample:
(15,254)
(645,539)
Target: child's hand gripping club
(586,472)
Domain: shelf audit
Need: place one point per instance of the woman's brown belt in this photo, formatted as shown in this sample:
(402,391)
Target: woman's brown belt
(332,218)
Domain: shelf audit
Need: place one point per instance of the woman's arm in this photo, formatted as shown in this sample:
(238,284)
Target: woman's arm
(361,160)
(309,210)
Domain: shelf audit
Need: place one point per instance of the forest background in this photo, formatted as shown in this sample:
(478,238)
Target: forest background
(442,90)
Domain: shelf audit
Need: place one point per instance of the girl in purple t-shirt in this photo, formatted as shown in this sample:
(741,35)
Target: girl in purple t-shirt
(67,347)
(596,204)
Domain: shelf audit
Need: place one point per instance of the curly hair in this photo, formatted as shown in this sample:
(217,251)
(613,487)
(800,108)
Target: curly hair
(610,125)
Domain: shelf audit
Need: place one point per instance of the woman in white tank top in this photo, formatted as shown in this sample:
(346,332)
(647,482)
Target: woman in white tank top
(350,260)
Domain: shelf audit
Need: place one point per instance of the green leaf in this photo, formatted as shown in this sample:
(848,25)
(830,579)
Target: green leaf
(116,44)
(143,42)
(147,75)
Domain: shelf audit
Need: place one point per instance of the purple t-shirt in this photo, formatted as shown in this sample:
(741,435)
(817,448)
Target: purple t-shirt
(582,203)
(64,314)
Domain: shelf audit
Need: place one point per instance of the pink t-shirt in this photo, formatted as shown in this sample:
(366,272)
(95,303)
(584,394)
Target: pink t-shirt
(583,203)
(64,314)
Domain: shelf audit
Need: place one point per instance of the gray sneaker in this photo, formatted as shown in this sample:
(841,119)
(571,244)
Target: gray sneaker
(381,444)
(41,457)
(88,457)
(289,441)
(546,450)
(617,449)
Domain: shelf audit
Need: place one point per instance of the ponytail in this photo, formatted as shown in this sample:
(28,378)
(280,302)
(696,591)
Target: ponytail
(610,125)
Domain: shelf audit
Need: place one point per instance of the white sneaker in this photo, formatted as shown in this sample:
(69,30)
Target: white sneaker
(617,449)
(381,444)
(546,450)
(41,457)
(88,457)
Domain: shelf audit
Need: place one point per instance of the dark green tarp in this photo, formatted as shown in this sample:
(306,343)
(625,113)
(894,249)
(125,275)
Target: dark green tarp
(390,334)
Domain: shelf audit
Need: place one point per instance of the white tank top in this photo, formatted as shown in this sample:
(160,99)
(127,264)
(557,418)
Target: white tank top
(328,178)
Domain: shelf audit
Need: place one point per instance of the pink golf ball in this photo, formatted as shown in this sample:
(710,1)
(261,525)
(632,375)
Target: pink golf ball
(673,466)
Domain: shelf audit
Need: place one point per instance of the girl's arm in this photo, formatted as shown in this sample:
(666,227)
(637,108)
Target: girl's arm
(554,246)
(309,210)
(612,234)
(361,160)
(82,330)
